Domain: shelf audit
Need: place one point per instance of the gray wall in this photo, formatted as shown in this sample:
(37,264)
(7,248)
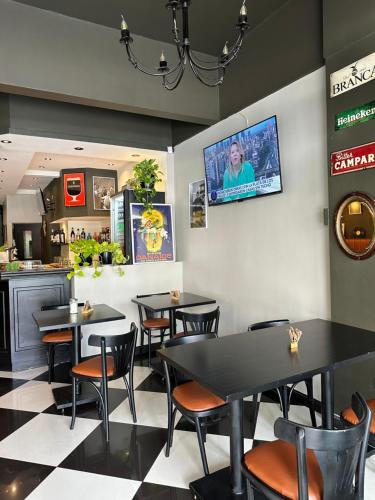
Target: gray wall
(49,55)
(285,47)
(346,39)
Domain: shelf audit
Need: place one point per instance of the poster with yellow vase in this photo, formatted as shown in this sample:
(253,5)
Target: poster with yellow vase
(152,233)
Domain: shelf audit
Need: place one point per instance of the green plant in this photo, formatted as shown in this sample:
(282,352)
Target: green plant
(85,250)
(3,248)
(146,175)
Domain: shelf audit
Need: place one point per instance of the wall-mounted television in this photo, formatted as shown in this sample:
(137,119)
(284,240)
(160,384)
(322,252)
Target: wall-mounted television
(244,165)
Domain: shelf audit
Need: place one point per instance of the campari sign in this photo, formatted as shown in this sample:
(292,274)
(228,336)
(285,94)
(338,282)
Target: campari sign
(350,160)
(352,76)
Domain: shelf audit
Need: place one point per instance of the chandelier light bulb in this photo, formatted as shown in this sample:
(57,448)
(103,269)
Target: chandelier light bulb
(162,56)
(243,11)
(225,49)
(124,25)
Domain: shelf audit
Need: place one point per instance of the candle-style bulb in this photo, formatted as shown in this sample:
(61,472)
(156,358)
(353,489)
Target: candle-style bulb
(162,56)
(225,49)
(124,25)
(243,11)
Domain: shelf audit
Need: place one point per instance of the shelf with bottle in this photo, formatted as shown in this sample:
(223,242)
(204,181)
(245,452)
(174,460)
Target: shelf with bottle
(57,237)
(103,235)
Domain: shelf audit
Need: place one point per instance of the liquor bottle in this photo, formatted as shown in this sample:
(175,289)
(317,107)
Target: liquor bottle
(72,236)
(89,237)
(95,237)
(78,235)
(57,237)
(83,234)
(62,237)
(52,236)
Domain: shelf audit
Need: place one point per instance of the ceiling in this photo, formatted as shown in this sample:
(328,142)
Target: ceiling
(28,163)
(212,22)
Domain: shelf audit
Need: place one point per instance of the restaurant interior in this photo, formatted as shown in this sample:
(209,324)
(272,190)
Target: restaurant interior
(187,235)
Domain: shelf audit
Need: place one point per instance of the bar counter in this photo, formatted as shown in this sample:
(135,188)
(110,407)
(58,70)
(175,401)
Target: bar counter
(22,293)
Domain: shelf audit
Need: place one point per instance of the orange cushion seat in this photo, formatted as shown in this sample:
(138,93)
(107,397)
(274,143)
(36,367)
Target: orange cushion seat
(156,323)
(93,367)
(275,464)
(349,415)
(55,337)
(194,397)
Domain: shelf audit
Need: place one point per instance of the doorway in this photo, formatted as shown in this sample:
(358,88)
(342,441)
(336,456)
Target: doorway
(28,238)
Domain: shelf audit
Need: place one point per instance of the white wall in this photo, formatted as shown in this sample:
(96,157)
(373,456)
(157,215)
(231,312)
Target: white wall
(21,209)
(264,258)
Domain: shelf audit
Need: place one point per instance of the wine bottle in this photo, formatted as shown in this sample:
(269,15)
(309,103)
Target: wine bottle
(78,234)
(62,237)
(52,236)
(83,234)
(72,236)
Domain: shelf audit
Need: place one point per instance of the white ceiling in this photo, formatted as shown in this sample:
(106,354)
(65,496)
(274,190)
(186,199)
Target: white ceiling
(28,162)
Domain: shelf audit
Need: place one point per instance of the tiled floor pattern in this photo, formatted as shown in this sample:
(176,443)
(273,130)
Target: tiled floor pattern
(42,459)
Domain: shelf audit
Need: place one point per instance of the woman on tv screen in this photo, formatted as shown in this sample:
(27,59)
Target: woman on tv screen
(238,172)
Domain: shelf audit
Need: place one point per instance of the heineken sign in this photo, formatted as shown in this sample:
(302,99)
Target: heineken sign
(349,160)
(355,115)
(354,75)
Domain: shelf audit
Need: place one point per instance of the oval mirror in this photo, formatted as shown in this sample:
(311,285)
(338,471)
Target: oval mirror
(355,225)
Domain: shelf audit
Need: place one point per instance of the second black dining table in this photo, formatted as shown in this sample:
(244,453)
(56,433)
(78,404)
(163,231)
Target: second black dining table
(163,302)
(55,319)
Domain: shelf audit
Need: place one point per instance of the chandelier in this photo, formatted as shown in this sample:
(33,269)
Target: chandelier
(209,73)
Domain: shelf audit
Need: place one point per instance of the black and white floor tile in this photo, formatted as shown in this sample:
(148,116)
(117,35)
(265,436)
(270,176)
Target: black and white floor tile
(42,459)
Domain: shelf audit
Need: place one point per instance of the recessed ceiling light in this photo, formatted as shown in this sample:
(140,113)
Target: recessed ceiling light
(5,141)
(35,178)
(135,155)
(110,164)
(79,148)
(48,159)
(3,159)
(42,166)
(2,171)
(1,180)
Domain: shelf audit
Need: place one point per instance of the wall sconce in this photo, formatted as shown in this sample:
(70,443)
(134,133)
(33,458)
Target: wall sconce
(355,208)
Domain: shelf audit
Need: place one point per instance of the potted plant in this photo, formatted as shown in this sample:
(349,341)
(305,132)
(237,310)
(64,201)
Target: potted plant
(88,253)
(146,175)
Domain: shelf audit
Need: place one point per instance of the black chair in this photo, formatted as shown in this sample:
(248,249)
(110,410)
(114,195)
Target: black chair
(349,418)
(107,367)
(195,323)
(192,400)
(306,463)
(151,323)
(285,392)
(54,339)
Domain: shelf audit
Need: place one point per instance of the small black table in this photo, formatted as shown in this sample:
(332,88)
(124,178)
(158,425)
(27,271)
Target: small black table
(237,366)
(163,302)
(55,319)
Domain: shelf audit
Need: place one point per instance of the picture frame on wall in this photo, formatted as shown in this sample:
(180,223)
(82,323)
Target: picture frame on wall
(198,204)
(152,233)
(103,189)
(74,189)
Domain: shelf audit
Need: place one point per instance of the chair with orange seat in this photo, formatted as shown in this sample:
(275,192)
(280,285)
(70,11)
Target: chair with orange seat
(151,324)
(307,463)
(350,418)
(108,366)
(193,401)
(55,339)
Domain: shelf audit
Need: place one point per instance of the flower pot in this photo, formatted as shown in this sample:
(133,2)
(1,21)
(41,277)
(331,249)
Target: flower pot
(106,258)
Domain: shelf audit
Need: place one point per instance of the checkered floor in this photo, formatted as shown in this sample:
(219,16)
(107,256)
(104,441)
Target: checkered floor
(41,459)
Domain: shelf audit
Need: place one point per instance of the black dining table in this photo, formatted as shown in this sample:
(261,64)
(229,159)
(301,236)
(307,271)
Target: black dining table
(163,302)
(56,319)
(236,366)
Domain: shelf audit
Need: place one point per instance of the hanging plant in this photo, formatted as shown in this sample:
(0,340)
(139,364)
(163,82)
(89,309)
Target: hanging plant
(146,175)
(87,253)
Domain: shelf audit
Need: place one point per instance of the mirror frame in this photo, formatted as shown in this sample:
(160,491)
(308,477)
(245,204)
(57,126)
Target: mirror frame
(365,198)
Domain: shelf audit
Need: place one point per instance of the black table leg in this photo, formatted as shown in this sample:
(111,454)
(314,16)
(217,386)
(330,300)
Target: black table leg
(172,320)
(236,446)
(327,400)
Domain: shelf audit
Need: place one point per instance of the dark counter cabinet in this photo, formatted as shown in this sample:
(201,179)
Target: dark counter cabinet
(21,294)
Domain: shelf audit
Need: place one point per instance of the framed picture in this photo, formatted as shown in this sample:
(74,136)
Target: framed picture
(152,233)
(103,189)
(74,189)
(198,204)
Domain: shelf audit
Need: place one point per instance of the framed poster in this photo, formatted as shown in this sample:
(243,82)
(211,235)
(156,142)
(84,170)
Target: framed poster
(152,233)
(198,204)
(74,189)
(103,189)
(349,160)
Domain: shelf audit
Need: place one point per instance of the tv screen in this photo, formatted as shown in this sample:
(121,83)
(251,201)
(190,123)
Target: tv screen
(244,165)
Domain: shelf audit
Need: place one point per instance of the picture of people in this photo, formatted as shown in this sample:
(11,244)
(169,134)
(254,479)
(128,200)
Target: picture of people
(244,165)
(103,189)
(198,204)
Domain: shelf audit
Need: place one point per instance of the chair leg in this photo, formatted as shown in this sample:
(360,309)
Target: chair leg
(105,410)
(310,396)
(52,359)
(49,362)
(249,490)
(129,388)
(149,349)
(284,401)
(142,339)
(170,429)
(162,335)
(173,424)
(201,446)
(74,403)
(254,412)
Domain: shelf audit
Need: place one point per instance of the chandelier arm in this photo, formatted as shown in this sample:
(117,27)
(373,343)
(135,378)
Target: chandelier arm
(172,85)
(147,71)
(217,82)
